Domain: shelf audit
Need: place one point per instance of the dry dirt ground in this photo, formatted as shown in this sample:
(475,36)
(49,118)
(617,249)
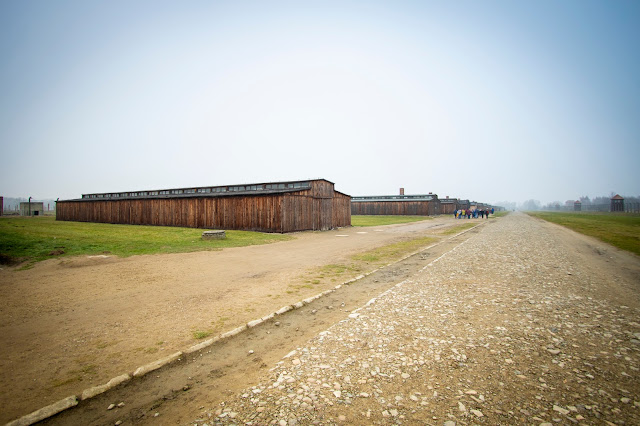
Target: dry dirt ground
(73,323)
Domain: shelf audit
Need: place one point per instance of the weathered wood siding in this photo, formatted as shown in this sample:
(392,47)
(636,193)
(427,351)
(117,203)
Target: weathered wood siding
(448,208)
(318,208)
(341,210)
(396,208)
(464,204)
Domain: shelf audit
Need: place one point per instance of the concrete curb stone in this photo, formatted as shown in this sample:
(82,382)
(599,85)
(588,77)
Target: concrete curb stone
(202,345)
(97,390)
(141,371)
(45,412)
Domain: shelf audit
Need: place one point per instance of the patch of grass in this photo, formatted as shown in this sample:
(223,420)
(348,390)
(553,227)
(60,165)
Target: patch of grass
(374,220)
(499,214)
(201,334)
(34,239)
(101,344)
(395,251)
(367,261)
(334,269)
(219,323)
(619,230)
(89,369)
(458,228)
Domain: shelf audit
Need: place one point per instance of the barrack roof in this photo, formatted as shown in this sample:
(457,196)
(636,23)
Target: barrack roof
(207,191)
(383,198)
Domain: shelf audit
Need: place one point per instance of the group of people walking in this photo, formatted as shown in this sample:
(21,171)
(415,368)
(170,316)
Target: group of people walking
(472,213)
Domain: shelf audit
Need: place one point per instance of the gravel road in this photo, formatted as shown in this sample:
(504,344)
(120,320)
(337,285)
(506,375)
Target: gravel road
(524,323)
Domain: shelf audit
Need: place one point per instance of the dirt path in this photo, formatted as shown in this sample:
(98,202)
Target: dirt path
(67,325)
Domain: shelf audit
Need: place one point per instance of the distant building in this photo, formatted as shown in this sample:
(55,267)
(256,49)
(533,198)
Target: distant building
(267,207)
(1,205)
(448,205)
(617,203)
(32,208)
(396,205)
(464,204)
(577,206)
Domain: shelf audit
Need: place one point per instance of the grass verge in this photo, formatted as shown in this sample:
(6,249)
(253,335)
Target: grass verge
(360,263)
(459,228)
(32,239)
(622,231)
(360,220)
(392,252)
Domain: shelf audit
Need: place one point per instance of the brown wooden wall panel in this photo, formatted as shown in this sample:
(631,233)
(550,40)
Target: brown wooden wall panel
(341,210)
(447,208)
(393,208)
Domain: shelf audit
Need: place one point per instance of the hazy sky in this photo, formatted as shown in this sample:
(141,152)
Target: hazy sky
(487,100)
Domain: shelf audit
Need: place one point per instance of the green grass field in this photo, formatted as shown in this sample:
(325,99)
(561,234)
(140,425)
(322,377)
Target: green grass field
(462,227)
(358,220)
(24,239)
(622,231)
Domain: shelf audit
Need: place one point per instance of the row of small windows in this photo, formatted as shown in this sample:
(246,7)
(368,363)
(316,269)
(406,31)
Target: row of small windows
(393,197)
(207,190)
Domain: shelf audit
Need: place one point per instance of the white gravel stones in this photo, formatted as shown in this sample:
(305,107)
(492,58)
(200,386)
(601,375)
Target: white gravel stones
(495,332)
(477,413)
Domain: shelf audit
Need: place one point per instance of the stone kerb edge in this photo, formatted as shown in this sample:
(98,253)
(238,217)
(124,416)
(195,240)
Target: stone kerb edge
(147,368)
(97,390)
(45,412)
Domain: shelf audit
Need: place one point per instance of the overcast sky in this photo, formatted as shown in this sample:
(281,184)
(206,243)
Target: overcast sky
(487,100)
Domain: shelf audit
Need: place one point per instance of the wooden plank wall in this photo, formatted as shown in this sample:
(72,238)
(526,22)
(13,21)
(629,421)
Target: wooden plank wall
(288,212)
(392,208)
(341,210)
(448,208)
(241,212)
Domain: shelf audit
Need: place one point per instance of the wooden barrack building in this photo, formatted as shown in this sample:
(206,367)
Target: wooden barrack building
(266,207)
(403,205)
(448,205)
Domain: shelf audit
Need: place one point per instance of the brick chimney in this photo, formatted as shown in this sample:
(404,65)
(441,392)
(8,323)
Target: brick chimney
(401,191)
